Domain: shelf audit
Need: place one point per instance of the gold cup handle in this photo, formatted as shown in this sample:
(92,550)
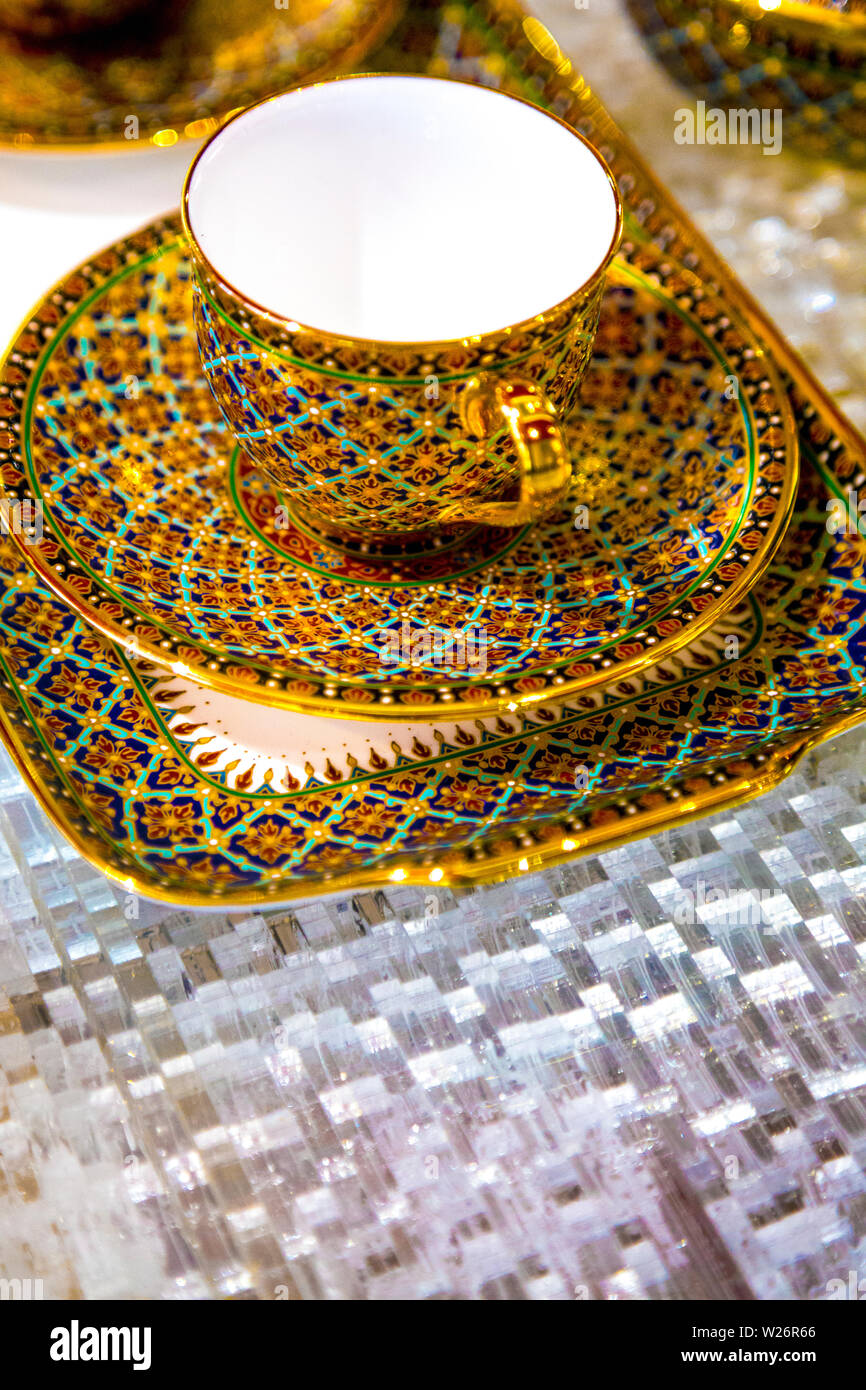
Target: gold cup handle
(545,466)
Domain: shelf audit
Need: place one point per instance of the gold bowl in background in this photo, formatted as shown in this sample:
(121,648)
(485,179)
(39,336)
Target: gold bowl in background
(805,58)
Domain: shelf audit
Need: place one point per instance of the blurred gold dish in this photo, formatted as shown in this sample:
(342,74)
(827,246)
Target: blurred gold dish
(803,58)
(46,19)
(168,72)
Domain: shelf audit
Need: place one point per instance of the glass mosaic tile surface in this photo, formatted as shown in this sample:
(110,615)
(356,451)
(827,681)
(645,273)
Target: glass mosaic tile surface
(603,1081)
(642,1075)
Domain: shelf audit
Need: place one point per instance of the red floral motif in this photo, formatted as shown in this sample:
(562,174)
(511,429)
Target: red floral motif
(74,686)
(809,672)
(171,820)
(271,840)
(114,757)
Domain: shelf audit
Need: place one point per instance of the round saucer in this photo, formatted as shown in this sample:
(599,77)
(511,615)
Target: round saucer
(162,537)
(176,70)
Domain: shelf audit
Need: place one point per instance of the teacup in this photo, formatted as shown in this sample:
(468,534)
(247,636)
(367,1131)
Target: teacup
(397,286)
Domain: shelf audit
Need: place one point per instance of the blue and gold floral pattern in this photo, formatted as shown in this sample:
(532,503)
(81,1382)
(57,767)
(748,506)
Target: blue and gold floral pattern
(373,440)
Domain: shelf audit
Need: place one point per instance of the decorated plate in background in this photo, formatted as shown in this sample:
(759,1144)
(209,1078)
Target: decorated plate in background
(797,64)
(173,71)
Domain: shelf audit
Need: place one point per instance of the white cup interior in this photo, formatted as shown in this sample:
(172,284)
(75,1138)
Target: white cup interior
(402,209)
